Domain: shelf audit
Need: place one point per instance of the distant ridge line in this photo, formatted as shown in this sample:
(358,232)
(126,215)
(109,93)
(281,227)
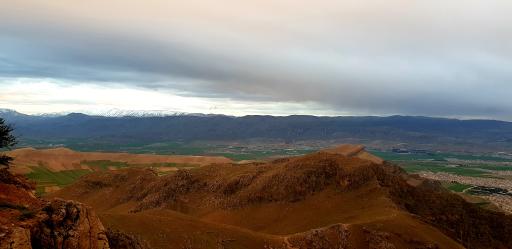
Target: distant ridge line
(115,113)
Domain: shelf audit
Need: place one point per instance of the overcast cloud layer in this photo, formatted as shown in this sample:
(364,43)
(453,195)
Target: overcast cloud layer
(437,58)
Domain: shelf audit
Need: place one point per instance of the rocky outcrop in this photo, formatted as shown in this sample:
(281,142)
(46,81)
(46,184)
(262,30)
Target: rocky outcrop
(335,236)
(9,179)
(27,222)
(68,225)
(59,224)
(15,238)
(120,240)
(343,236)
(357,151)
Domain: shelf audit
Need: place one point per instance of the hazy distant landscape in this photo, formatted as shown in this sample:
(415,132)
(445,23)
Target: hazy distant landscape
(462,154)
(193,134)
(231,124)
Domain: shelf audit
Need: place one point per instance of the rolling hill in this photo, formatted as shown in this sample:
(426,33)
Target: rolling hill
(58,167)
(337,198)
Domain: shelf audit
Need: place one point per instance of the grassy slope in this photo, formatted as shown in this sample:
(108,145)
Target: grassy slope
(437,163)
(44,177)
(47,178)
(458,187)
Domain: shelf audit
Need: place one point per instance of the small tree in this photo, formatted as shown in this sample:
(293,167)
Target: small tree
(7,140)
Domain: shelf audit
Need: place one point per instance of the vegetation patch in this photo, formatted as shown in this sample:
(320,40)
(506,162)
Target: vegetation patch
(494,167)
(262,154)
(166,165)
(26,214)
(46,177)
(414,167)
(391,156)
(458,187)
(163,148)
(7,205)
(40,190)
(440,157)
(104,164)
(163,173)
(107,164)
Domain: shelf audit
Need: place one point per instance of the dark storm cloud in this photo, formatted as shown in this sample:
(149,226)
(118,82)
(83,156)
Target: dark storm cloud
(366,57)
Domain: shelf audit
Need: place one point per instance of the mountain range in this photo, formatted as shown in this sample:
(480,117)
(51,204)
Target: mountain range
(373,131)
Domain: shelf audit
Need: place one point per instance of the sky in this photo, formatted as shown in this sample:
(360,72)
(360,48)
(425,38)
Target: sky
(239,57)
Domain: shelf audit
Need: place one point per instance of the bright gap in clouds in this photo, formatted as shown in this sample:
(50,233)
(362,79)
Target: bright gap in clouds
(47,96)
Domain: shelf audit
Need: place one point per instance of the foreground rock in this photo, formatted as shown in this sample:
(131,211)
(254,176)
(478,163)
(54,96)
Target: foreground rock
(68,224)
(120,240)
(27,222)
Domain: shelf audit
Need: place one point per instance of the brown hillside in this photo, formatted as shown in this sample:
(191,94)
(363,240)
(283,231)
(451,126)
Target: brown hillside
(65,159)
(340,198)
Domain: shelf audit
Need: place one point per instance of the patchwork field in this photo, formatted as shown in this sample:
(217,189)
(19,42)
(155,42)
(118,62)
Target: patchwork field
(237,151)
(53,169)
(482,179)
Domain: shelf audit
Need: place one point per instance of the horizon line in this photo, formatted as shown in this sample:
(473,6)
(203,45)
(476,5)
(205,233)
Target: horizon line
(163,113)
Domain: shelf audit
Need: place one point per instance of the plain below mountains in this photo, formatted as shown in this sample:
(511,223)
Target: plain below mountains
(417,132)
